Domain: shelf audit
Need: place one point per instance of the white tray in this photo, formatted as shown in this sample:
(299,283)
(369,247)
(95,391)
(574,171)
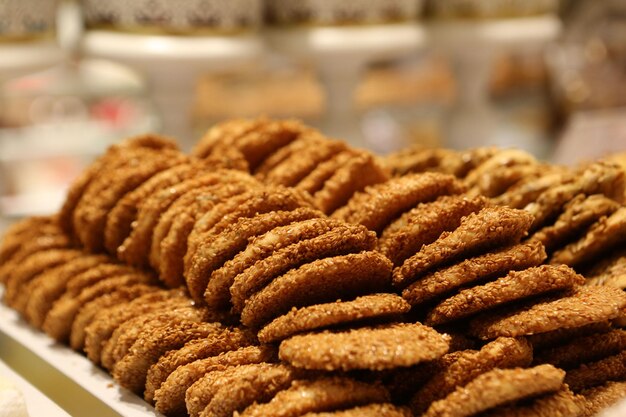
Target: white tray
(66,377)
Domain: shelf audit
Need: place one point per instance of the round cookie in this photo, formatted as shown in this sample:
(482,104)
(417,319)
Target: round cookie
(597,178)
(516,285)
(46,288)
(315,180)
(603,236)
(16,288)
(586,306)
(58,323)
(611,368)
(340,240)
(88,311)
(562,403)
(459,368)
(380,204)
(105,322)
(372,410)
(250,204)
(498,387)
(173,247)
(360,171)
(603,396)
(484,267)
(170,397)
(106,190)
(125,335)
(323,394)
(478,232)
(219,281)
(225,132)
(131,371)
(577,216)
(320,316)
(118,154)
(584,349)
(375,348)
(22,231)
(319,281)
(304,156)
(212,395)
(33,245)
(194,350)
(121,217)
(423,224)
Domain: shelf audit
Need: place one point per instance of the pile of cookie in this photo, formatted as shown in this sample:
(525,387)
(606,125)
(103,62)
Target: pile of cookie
(275,271)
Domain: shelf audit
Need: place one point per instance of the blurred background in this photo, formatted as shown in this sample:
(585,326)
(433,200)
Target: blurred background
(547,76)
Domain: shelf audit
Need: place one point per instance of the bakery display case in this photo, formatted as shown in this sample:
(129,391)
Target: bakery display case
(315,208)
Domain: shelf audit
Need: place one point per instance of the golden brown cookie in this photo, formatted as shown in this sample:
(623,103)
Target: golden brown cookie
(219,281)
(121,217)
(422,225)
(88,311)
(516,285)
(603,236)
(22,231)
(173,246)
(498,387)
(372,410)
(563,403)
(584,349)
(603,396)
(16,287)
(170,397)
(131,371)
(105,191)
(60,318)
(597,178)
(342,239)
(585,306)
(459,368)
(578,214)
(105,322)
(361,170)
(375,348)
(323,394)
(212,395)
(225,132)
(192,351)
(587,375)
(126,334)
(46,288)
(478,232)
(320,316)
(320,281)
(380,204)
(484,267)
(304,156)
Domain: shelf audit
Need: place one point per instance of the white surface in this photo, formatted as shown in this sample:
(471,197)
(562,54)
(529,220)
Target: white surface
(172,65)
(74,366)
(23,57)
(36,402)
(341,54)
(366,42)
(205,50)
(498,32)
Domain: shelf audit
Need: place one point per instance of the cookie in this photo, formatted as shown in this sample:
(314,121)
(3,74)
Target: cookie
(375,348)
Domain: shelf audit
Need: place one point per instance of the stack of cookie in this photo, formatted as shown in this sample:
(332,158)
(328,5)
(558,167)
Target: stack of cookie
(300,273)
(289,154)
(578,213)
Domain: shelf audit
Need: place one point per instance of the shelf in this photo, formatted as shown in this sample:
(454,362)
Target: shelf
(67,378)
